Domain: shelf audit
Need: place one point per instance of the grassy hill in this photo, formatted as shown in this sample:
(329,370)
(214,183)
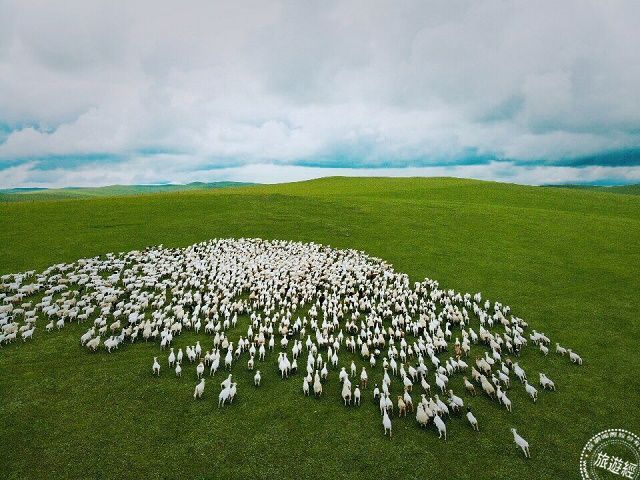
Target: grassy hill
(564,259)
(39,194)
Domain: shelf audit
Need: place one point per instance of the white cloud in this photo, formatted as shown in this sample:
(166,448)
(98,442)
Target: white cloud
(373,83)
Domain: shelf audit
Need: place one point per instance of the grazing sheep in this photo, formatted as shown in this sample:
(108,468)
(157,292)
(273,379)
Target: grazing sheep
(317,386)
(521,442)
(533,393)
(224,395)
(442,428)
(421,416)
(469,386)
(28,334)
(472,420)
(199,390)
(574,357)
(545,382)
(305,386)
(386,423)
(402,407)
(156,366)
(93,344)
(354,300)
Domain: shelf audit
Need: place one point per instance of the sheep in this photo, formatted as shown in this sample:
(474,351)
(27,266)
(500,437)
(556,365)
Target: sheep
(487,387)
(317,386)
(521,442)
(533,393)
(199,390)
(376,392)
(28,334)
(502,398)
(93,344)
(159,291)
(386,423)
(226,382)
(346,392)
(408,400)
(257,378)
(402,407)
(364,378)
(469,386)
(560,350)
(442,428)
(545,382)
(520,373)
(156,366)
(456,402)
(305,386)
(472,420)
(574,357)
(421,416)
(225,395)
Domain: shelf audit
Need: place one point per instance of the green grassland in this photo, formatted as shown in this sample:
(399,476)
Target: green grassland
(39,194)
(624,189)
(566,260)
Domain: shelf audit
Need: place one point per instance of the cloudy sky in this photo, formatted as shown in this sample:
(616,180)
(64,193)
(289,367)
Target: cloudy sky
(95,93)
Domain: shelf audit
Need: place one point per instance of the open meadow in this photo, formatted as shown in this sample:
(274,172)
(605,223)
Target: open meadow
(565,260)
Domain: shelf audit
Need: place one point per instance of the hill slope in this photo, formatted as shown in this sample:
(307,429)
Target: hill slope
(39,194)
(564,259)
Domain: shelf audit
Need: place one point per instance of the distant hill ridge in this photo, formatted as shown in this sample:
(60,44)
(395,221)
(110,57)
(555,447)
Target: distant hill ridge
(633,189)
(33,194)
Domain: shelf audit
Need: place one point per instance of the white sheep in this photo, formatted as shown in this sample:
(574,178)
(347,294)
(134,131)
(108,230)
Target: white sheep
(224,395)
(28,334)
(531,390)
(574,357)
(199,390)
(442,428)
(521,442)
(546,382)
(472,420)
(386,423)
(257,378)
(156,366)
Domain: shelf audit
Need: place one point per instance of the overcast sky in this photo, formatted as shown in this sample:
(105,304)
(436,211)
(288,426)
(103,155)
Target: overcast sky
(95,93)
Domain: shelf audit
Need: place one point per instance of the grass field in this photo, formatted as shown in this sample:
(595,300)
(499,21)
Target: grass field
(566,260)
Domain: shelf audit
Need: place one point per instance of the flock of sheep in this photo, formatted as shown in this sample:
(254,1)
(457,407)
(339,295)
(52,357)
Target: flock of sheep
(310,303)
